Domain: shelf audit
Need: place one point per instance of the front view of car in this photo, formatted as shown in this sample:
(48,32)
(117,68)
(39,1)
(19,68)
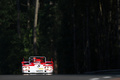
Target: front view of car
(37,64)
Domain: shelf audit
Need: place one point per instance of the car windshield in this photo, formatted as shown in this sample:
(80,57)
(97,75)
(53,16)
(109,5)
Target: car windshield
(37,62)
(39,59)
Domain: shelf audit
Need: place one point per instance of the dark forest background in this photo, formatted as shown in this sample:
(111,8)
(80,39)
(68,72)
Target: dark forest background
(80,35)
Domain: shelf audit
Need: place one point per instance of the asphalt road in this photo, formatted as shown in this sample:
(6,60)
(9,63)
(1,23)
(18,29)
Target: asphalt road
(60,77)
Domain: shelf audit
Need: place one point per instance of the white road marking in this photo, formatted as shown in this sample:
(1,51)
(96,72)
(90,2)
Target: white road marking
(107,77)
(94,78)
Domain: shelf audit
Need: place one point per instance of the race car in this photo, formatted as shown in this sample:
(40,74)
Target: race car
(37,64)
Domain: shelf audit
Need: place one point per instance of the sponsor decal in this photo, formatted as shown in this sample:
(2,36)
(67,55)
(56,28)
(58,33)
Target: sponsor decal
(40,68)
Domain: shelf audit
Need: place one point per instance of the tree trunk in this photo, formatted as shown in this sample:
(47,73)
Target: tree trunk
(88,55)
(35,28)
(55,62)
(118,25)
(100,55)
(28,21)
(74,39)
(18,19)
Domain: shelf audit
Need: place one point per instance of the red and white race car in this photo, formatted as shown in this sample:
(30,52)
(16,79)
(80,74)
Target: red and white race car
(37,64)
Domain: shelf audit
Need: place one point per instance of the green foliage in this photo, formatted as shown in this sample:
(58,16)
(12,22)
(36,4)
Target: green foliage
(85,30)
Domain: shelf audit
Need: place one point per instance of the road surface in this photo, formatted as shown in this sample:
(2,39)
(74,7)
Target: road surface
(60,77)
